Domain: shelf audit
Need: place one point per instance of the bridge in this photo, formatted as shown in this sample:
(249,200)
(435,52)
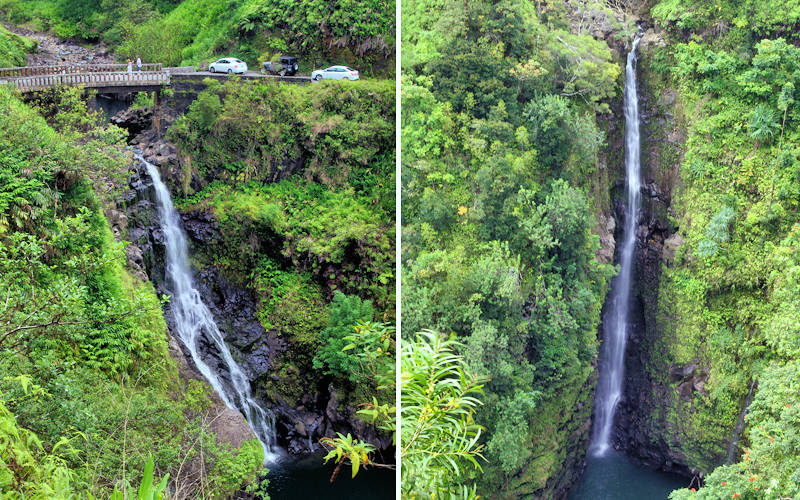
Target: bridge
(108,78)
(115,78)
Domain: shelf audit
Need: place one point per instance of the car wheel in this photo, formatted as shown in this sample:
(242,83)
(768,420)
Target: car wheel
(211,69)
(318,78)
(230,71)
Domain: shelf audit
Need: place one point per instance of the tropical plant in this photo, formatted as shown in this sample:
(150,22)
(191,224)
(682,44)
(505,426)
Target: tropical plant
(345,312)
(347,449)
(372,346)
(440,441)
(148,488)
(762,124)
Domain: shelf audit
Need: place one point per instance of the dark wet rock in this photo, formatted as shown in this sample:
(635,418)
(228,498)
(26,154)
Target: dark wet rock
(680,373)
(135,260)
(133,120)
(606,227)
(201,226)
(689,370)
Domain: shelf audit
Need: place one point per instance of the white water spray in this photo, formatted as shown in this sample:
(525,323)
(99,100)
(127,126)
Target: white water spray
(615,320)
(193,320)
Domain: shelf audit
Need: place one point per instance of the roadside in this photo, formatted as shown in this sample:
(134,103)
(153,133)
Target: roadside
(53,50)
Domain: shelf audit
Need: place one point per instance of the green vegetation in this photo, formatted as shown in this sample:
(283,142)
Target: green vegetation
(500,153)
(371,354)
(500,182)
(89,390)
(300,179)
(440,439)
(344,313)
(300,184)
(341,136)
(728,301)
(188,32)
(14,48)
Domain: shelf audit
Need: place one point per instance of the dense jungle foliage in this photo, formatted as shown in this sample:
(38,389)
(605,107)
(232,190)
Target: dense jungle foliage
(500,160)
(500,156)
(188,32)
(300,182)
(88,391)
(476,258)
(730,300)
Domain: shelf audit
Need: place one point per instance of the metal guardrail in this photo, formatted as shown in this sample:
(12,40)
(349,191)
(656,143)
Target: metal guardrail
(24,71)
(180,70)
(116,79)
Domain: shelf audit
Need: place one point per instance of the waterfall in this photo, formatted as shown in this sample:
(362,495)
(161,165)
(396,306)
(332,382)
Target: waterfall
(737,431)
(194,321)
(615,320)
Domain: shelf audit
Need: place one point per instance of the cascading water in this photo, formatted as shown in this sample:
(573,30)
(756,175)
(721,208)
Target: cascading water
(193,320)
(737,431)
(615,321)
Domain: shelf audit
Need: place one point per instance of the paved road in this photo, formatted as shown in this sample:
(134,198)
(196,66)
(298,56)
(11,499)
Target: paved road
(248,74)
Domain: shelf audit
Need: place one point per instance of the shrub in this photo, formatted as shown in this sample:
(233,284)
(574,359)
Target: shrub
(345,311)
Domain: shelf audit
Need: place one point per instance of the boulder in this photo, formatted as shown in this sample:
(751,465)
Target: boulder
(671,245)
(133,120)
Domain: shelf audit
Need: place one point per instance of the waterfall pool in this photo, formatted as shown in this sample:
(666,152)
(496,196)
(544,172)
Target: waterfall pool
(615,477)
(308,478)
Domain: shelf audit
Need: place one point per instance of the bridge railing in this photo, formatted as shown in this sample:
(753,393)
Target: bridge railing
(21,72)
(118,79)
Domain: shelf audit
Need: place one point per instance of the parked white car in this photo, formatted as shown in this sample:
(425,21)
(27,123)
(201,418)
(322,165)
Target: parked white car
(228,65)
(335,73)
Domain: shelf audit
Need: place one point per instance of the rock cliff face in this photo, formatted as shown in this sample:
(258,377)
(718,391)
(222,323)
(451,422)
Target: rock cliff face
(302,419)
(640,430)
(135,220)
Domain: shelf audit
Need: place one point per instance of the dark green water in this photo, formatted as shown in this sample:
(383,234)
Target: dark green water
(615,477)
(308,479)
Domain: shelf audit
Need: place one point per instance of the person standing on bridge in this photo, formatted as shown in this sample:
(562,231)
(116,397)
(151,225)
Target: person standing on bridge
(138,63)
(130,67)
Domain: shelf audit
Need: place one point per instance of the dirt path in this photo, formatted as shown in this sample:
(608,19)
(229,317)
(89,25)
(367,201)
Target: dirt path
(53,50)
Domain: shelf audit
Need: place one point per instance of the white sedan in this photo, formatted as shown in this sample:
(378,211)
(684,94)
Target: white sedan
(335,73)
(228,65)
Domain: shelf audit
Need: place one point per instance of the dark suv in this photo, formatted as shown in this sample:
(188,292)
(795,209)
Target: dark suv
(287,66)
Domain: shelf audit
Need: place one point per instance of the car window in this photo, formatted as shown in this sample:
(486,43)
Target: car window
(223,61)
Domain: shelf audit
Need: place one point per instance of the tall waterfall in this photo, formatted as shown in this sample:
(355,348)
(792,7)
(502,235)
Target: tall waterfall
(615,320)
(193,320)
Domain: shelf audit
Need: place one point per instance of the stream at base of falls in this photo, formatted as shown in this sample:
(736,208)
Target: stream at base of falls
(616,477)
(308,478)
